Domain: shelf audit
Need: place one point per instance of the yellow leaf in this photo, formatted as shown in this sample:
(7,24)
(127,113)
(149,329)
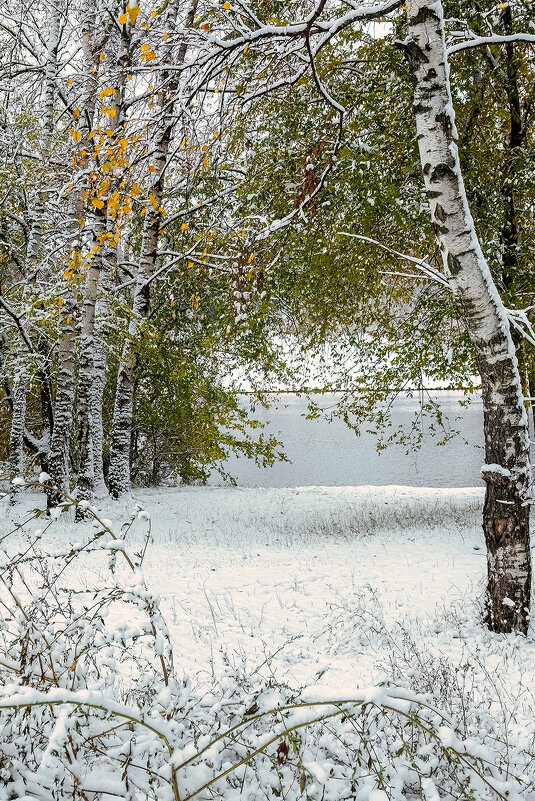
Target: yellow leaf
(151,167)
(106,92)
(251,257)
(132,12)
(246,48)
(190,265)
(76,136)
(123,142)
(205,27)
(184,227)
(97,203)
(135,190)
(101,57)
(502,5)
(122,19)
(109,111)
(165,37)
(76,113)
(226,6)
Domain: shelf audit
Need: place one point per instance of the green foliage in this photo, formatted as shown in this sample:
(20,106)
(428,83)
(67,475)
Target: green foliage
(386,327)
(186,422)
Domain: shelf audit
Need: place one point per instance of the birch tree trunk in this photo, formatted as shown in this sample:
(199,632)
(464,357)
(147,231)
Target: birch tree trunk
(18,418)
(58,458)
(120,70)
(119,474)
(36,214)
(96,398)
(507,469)
(92,360)
(86,368)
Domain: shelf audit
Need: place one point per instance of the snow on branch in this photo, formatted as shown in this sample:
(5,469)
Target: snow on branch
(427,270)
(251,30)
(495,39)
(518,318)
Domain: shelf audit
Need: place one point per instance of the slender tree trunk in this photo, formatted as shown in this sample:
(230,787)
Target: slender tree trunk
(18,418)
(96,398)
(86,368)
(92,362)
(58,459)
(119,474)
(36,214)
(507,470)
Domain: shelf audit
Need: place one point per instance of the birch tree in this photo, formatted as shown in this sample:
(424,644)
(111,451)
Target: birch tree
(507,470)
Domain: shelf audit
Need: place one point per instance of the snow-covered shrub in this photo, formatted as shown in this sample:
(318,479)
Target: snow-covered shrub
(93,706)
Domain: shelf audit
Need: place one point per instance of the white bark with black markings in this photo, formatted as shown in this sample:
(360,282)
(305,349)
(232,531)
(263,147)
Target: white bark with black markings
(119,474)
(506,509)
(18,418)
(92,360)
(58,457)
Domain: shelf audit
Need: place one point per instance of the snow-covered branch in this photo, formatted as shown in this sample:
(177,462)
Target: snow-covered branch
(495,39)
(427,270)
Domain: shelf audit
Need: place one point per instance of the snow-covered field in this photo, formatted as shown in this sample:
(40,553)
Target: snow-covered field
(331,587)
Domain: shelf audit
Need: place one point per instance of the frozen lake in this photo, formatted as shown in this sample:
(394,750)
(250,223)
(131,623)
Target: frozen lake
(326,453)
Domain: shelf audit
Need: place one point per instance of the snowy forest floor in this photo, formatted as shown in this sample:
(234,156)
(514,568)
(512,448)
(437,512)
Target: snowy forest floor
(327,586)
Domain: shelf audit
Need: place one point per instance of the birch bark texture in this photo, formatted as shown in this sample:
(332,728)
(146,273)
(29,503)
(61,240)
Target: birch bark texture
(507,469)
(119,473)
(18,418)
(58,457)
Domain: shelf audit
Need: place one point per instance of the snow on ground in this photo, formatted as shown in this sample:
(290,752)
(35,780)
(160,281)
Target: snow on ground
(331,586)
(308,574)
